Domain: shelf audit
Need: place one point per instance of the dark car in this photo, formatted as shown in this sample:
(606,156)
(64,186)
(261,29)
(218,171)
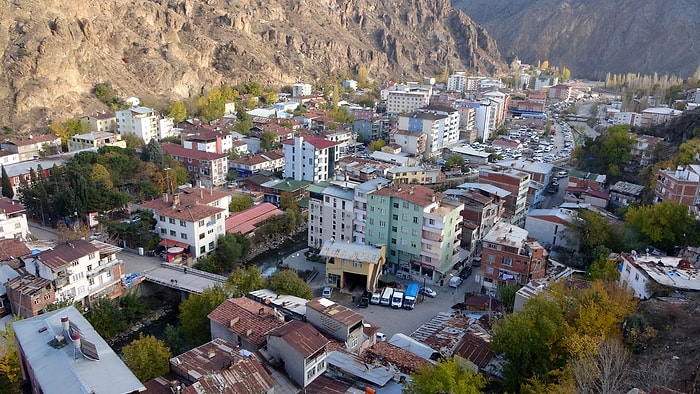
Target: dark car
(464,274)
(364,300)
(476,262)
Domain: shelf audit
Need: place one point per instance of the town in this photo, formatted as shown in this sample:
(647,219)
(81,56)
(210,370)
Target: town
(512,230)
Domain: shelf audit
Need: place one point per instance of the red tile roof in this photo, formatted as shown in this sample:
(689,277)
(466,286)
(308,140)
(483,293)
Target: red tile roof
(251,319)
(301,336)
(246,221)
(416,194)
(12,248)
(37,139)
(9,206)
(180,151)
(475,349)
(64,253)
(183,211)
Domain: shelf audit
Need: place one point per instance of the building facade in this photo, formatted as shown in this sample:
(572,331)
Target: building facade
(140,121)
(681,186)
(348,264)
(310,158)
(100,122)
(95,140)
(330,214)
(206,168)
(517,183)
(405,101)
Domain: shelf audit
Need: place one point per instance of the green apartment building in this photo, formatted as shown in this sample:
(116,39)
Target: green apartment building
(420,228)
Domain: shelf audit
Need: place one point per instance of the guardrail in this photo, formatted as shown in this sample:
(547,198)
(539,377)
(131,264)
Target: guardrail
(193,271)
(173,284)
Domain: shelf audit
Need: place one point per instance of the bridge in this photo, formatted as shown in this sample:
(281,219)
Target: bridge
(182,278)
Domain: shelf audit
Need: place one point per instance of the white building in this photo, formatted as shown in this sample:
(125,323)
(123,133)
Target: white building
(192,219)
(550,227)
(360,207)
(457,82)
(330,213)
(439,124)
(100,122)
(637,270)
(630,118)
(94,140)
(399,102)
(140,121)
(301,89)
(13,220)
(166,128)
(310,158)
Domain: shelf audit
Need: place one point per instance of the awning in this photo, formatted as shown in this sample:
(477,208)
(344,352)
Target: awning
(172,243)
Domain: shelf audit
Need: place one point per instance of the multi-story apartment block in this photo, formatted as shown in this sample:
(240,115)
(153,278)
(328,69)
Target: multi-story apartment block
(400,102)
(310,158)
(30,295)
(628,118)
(500,103)
(301,349)
(349,264)
(483,206)
(330,213)
(359,208)
(433,125)
(457,82)
(407,174)
(301,89)
(543,81)
(95,140)
(13,220)
(510,256)
(657,115)
(411,142)
(420,227)
(551,227)
(209,169)
(372,129)
(140,121)
(484,117)
(192,219)
(514,181)
(248,166)
(100,122)
(207,140)
(540,175)
(681,186)
(33,147)
(81,271)
(560,92)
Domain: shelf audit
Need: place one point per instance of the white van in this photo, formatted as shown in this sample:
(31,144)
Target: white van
(397,300)
(386,296)
(376,298)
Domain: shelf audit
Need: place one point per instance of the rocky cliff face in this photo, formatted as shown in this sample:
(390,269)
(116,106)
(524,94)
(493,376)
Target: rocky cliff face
(164,50)
(593,37)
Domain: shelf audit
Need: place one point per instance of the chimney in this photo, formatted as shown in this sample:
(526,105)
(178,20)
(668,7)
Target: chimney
(249,332)
(261,311)
(76,342)
(201,193)
(233,321)
(65,323)
(165,197)
(212,352)
(176,199)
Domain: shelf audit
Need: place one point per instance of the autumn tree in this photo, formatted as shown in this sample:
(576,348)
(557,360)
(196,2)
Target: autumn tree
(177,111)
(244,280)
(605,371)
(9,361)
(451,375)
(132,140)
(288,282)
(288,200)
(376,145)
(603,268)
(7,190)
(100,173)
(665,224)
(268,140)
(194,311)
(106,318)
(590,230)
(240,203)
(147,357)
(454,160)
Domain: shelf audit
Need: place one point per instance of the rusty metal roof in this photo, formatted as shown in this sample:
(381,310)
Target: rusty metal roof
(352,252)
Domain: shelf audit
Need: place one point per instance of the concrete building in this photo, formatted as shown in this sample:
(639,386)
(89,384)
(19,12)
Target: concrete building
(471,155)
(301,348)
(100,122)
(457,82)
(207,140)
(483,206)
(301,89)
(376,128)
(411,142)
(95,140)
(509,255)
(517,183)
(628,118)
(244,322)
(420,227)
(407,175)
(252,165)
(206,168)
(348,264)
(639,270)
(560,92)
(543,81)
(405,101)
(81,271)
(330,213)
(359,221)
(440,124)
(310,158)
(681,186)
(658,115)
(60,352)
(192,219)
(644,149)
(624,193)
(13,220)
(140,121)
(32,147)
(484,117)
(550,227)
(540,177)
(337,322)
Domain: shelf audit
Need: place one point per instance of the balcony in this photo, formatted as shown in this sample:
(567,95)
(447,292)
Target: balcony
(103,267)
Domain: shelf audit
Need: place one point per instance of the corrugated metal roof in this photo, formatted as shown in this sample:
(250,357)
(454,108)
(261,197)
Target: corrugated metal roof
(352,252)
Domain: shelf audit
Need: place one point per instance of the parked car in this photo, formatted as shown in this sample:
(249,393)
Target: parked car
(364,300)
(327,291)
(476,262)
(466,271)
(455,281)
(428,292)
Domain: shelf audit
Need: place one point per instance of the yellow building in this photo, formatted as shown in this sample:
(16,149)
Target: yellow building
(95,140)
(404,174)
(349,264)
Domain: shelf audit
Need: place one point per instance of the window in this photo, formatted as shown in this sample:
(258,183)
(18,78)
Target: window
(171,220)
(381,235)
(413,244)
(162,218)
(491,258)
(202,249)
(183,223)
(404,242)
(371,221)
(405,205)
(414,232)
(211,245)
(415,219)
(396,205)
(18,225)
(393,241)
(404,230)
(357,264)
(311,372)
(393,229)
(173,233)
(108,274)
(431,221)
(91,282)
(201,222)
(404,217)
(382,224)
(395,217)
(201,236)
(183,235)
(91,256)
(507,261)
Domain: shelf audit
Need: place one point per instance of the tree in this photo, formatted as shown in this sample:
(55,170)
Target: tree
(106,318)
(172,337)
(362,76)
(9,360)
(665,224)
(604,372)
(132,140)
(244,280)
(100,173)
(376,145)
(507,294)
(454,161)
(288,200)
(268,140)
(105,93)
(240,203)
(152,152)
(230,249)
(531,341)
(147,357)
(603,268)
(288,282)
(590,229)
(177,111)
(132,307)
(243,126)
(451,375)
(7,190)
(193,314)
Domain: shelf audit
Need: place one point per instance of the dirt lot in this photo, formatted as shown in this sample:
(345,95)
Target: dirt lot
(672,357)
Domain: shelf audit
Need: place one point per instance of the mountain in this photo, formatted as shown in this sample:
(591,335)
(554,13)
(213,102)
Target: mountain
(54,52)
(593,37)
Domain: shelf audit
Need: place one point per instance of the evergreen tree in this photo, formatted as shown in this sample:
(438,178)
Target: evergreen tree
(7,190)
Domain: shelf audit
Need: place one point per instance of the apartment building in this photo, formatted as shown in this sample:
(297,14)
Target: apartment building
(628,118)
(543,81)
(359,208)
(372,129)
(411,142)
(405,101)
(515,182)
(540,176)
(207,168)
(483,206)
(95,140)
(681,186)
(32,147)
(420,227)
(439,129)
(29,295)
(302,349)
(336,321)
(272,161)
(192,219)
(140,121)
(100,122)
(81,271)
(13,220)
(301,89)
(658,115)
(551,227)
(509,255)
(310,158)
(206,139)
(330,213)
(560,92)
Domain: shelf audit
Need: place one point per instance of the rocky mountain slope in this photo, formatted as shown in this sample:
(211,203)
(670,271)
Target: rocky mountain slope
(53,52)
(593,37)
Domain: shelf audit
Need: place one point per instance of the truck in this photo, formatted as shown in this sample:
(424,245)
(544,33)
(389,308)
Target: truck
(409,298)
(386,296)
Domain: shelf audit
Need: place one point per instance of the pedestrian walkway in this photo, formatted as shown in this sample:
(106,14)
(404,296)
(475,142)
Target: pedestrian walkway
(183,278)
